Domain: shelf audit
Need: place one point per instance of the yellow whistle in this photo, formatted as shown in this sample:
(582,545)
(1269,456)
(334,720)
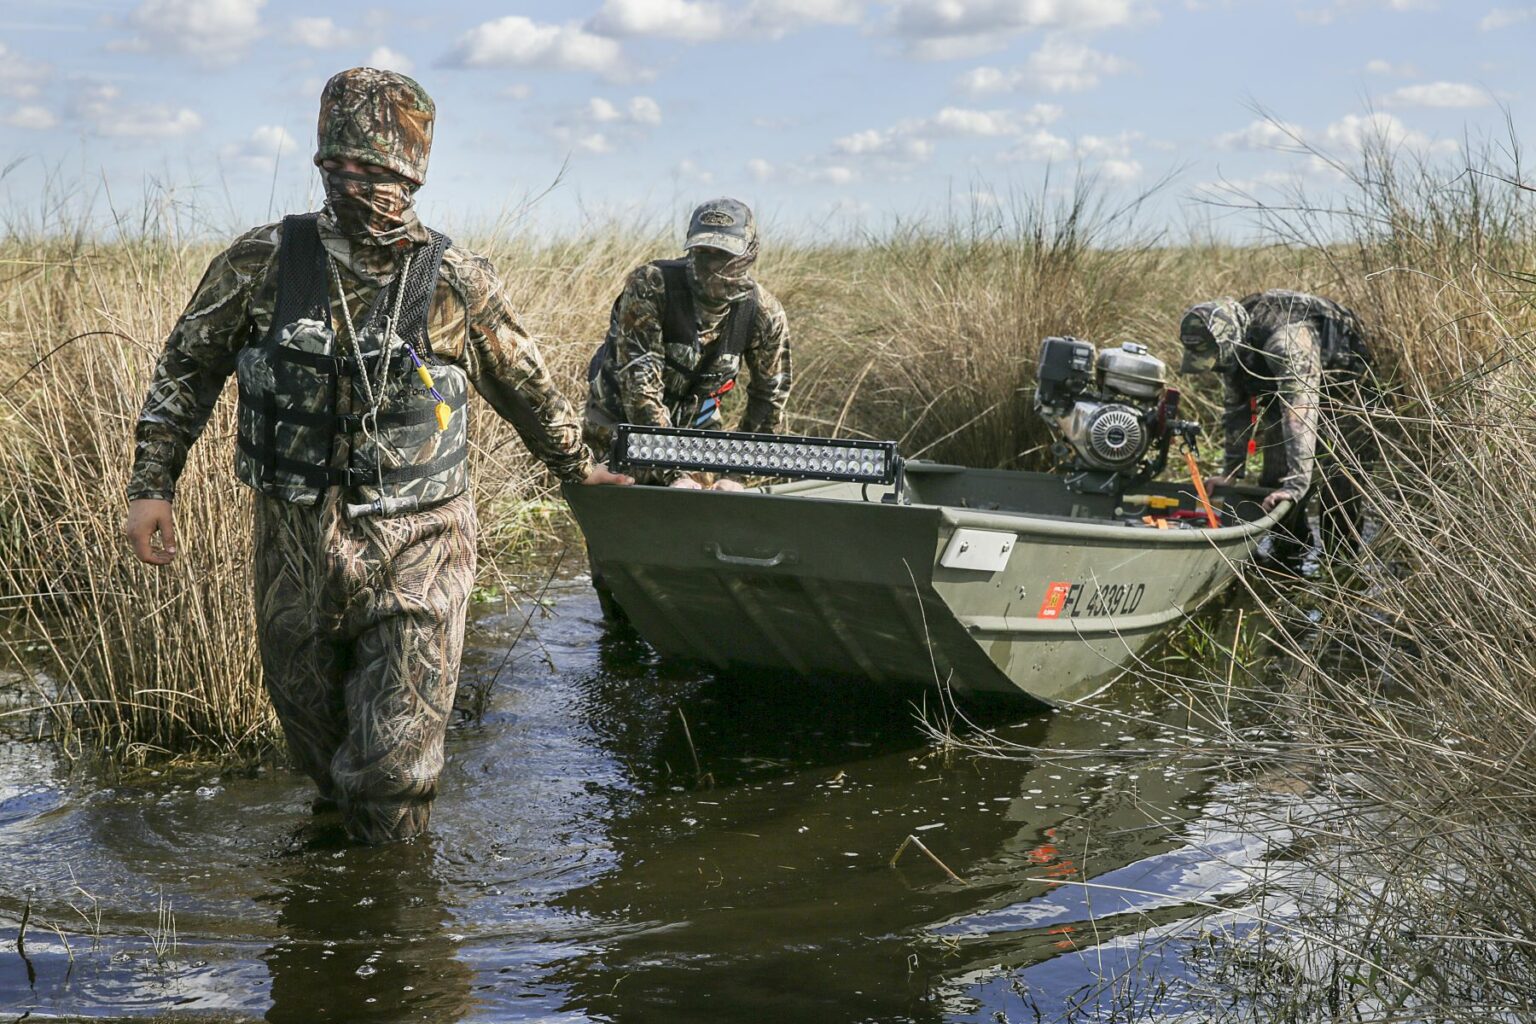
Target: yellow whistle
(426,378)
(444,415)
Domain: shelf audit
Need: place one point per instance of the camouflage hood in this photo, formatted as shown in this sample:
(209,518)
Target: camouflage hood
(376,117)
(1210,333)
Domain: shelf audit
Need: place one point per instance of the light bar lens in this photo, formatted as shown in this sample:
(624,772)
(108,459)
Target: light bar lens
(719,451)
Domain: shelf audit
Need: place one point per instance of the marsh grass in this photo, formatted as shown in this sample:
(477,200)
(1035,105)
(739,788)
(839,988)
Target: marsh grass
(1396,692)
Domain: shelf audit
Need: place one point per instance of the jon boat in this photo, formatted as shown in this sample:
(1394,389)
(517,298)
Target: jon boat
(990,581)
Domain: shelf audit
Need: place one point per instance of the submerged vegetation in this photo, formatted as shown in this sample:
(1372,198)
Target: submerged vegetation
(1403,685)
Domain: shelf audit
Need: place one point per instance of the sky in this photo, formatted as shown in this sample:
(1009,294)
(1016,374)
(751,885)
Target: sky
(825,115)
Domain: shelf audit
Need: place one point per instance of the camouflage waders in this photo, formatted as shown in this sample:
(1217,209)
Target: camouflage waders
(361,626)
(1316,437)
(355,335)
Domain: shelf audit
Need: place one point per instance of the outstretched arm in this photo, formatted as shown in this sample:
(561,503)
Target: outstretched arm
(505,366)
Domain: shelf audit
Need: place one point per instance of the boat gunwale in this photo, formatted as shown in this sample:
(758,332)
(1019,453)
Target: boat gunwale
(1035,524)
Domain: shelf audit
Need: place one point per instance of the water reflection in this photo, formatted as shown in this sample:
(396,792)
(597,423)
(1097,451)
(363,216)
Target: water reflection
(617,840)
(754,864)
(366,936)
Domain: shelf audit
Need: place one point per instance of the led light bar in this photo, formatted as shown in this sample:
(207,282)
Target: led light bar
(777,455)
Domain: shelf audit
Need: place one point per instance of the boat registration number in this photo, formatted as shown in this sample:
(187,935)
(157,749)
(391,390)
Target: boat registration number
(1064,599)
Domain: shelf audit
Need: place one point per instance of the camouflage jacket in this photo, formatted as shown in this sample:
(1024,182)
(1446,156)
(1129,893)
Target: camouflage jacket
(1284,367)
(650,375)
(471,325)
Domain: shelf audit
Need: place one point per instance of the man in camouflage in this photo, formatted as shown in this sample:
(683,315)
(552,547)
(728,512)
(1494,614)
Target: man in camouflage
(679,334)
(1297,365)
(354,335)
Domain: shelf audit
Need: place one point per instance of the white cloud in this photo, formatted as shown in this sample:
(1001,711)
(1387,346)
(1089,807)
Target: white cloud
(693,20)
(1111,154)
(946,29)
(912,140)
(1385,67)
(644,110)
(835,175)
(1041,146)
(1265,180)
(1262,134)
(1108,147)
(690,171)
(595,143)
(1505,17)
(267,146)
(31,117)
(889,144)
(321,34)
(1328,15)
(798,174)
(959,121)
(519,91)
(391,60)
(213,32)
(618,125)
(518,42)
(1059,65)
(698,21)
(778,17)
(1439,94)
(1121,171)
(101,107)
(21,78)
(602,111)
(1361,133)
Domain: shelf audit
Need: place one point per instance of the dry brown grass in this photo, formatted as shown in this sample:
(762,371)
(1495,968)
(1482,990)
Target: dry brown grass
(1397,693)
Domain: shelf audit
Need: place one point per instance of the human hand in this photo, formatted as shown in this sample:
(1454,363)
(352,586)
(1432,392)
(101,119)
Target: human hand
(1274,498)
(687,483)
(724,484)
(1220,480)
(602,475)
(148,517)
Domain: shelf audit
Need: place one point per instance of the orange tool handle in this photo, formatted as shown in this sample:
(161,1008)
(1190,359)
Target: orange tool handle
(1205,501)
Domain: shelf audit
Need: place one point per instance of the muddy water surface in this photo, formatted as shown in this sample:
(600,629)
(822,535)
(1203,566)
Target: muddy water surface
(619,840)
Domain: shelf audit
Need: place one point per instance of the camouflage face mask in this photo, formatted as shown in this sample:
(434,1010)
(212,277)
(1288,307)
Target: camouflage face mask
(717,276)
(1210,333)
(373,209)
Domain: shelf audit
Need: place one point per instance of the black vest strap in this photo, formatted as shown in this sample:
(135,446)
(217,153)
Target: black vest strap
(325,476)
(303,286)
(419,288)
(418,412)
(680,318)
(303,290)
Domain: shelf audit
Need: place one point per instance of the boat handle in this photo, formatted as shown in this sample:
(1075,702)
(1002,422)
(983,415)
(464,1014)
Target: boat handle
(781,558)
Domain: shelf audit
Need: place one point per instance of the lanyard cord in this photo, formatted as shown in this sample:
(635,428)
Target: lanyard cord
(373,394)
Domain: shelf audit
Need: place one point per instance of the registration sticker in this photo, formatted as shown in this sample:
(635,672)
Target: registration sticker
(1055,600)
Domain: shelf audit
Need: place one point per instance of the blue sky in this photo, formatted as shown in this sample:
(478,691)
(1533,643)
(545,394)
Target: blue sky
(819,112)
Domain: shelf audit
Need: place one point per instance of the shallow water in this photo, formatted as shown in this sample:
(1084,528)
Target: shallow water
(619,840)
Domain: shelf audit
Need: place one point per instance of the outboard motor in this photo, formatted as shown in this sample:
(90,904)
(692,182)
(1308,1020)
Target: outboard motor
(1112,412)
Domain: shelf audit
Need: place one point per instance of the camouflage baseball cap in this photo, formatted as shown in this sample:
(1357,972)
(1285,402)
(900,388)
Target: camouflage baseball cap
(723,223)
(1210,332)
(376,117)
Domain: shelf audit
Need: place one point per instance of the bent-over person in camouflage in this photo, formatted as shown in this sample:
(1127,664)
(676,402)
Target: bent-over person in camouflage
(679,334)
(1297,367)
(355,335)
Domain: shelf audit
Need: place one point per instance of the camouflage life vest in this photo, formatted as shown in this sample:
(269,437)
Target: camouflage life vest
(704,375)
(289,422)
(1338,329)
